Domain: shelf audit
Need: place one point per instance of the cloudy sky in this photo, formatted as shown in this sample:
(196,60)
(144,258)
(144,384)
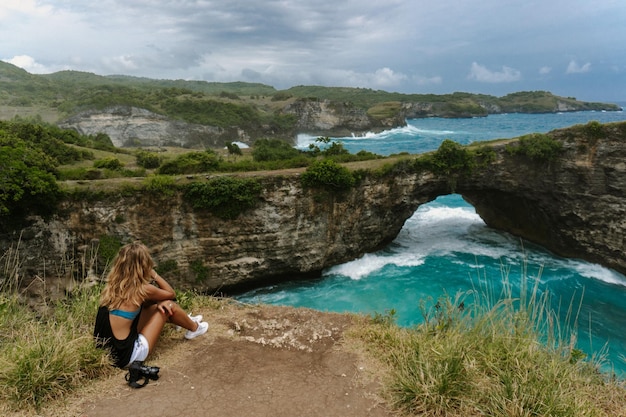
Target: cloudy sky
(569,47)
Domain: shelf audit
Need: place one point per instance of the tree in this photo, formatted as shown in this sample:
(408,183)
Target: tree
(27,183)
(233,149)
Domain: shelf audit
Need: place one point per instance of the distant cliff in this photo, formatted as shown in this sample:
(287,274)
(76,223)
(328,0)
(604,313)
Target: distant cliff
(574,205)
(132,126)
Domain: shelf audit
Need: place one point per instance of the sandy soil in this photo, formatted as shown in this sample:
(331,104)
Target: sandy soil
(254,361)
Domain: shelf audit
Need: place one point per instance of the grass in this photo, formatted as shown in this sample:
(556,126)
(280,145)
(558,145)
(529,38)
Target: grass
(492,357)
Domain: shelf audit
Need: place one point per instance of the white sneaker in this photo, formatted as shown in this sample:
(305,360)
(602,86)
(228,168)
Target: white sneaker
(202,328)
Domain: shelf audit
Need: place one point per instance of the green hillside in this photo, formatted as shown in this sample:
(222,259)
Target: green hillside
(57,96)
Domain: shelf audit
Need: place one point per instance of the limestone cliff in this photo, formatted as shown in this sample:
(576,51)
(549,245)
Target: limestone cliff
(574,205)
(131,126)
(329,118)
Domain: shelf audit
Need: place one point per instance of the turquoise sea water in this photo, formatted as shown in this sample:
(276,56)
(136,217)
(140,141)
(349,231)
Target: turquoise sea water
(445,248)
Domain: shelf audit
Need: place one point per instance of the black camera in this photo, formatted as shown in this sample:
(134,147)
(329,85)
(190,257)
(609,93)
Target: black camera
(138,371)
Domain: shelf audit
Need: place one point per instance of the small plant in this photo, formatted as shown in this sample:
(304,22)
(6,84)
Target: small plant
(273,150)
(200,270)
(108,248)
(233,149)
(594,130)
(166,266)
(163,185)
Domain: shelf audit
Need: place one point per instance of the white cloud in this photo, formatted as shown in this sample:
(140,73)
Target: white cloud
(481,73)
(386,77)
(28,63)
(574,68)
(545,70)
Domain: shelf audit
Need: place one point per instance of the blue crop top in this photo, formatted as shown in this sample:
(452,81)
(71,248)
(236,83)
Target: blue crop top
(130,315)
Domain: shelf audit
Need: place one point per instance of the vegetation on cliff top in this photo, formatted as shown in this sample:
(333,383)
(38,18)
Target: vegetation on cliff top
(36,157)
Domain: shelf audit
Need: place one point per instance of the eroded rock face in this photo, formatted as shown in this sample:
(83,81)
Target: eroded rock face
(330,118)
(574,206)
(132,126)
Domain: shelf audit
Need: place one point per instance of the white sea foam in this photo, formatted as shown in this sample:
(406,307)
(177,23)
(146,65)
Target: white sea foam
(303,140)
(370,263)
(598,272)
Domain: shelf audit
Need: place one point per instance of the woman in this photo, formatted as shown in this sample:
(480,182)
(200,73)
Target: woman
(135,304)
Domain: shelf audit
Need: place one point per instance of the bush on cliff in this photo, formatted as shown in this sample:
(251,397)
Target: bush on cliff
(191,163)
(148,160)
(273,150)
(327,174)
(226,197)
(536,146)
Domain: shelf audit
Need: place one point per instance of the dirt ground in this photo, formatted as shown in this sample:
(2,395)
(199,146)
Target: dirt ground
(254,361)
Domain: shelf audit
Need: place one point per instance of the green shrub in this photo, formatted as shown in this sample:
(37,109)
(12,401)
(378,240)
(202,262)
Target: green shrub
(537,146)
(108,163)
(148,160)
(273,150)
(200,270)
(191,163)
(31,185)
(226,197)
(452,158)
(594,130)
(327,174)
(166,266)
(233,149)
(164,185)
(108,248)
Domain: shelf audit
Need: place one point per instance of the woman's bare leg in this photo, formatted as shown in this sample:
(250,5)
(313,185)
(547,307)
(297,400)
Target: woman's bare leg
(151,322)
(180,318)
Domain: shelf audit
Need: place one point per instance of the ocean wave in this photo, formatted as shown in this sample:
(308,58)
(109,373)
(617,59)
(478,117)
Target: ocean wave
(598,272)
(371,263)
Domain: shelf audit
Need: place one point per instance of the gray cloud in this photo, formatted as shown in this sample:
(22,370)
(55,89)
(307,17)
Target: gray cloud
(418,46)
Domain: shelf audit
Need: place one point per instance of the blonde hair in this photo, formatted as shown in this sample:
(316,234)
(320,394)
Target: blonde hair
(131,270)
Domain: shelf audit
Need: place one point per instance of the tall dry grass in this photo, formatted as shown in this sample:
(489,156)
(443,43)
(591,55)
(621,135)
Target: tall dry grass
(480,354)
(44,355)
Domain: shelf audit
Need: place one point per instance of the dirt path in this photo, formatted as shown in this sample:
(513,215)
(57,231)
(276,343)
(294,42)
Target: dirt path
(255,361)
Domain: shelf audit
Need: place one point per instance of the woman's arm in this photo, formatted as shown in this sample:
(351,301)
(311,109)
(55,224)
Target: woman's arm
(161,291)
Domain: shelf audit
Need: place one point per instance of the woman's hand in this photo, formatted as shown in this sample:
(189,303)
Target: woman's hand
(166,307)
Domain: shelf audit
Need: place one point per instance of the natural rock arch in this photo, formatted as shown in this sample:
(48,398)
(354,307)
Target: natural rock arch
(573,205)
